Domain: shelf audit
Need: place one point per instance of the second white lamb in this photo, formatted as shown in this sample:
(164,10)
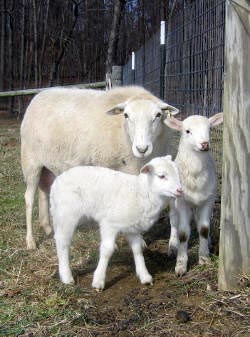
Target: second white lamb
(119,202)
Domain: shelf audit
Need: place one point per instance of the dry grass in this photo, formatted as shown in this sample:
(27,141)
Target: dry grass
(34,303)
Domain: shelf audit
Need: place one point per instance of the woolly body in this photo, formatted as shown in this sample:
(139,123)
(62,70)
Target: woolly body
(119,202)
(199,184)
(64,128)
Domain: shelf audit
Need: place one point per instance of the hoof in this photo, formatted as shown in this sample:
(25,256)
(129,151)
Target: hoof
(180,270)
(98,285)
(31,244)
(204,260)
(47,229)
(147,279)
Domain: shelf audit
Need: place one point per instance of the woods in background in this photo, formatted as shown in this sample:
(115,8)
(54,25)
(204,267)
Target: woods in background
(45,42)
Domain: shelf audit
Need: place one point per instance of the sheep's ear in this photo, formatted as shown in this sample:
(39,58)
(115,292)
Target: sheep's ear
(168,157)
(216,119)
(168,109)
(147,169)
(173,123)
(117,109)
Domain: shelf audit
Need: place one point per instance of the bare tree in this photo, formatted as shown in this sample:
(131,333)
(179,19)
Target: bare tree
(2,55)
(114,36)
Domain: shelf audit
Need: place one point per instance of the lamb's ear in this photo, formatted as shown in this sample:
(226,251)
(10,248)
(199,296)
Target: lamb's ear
(168,157)
(173,123)
(168,109)
(117,109)
(216,119)
(147,169)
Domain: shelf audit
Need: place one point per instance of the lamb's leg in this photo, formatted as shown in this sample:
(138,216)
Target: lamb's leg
(137,243)
(107,247)
(64,230)
(174,237)
(185,214)
(44,220)
(203,223)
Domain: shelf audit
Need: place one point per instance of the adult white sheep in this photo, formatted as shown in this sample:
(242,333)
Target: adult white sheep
(119,202)
(199,183)
(63,128)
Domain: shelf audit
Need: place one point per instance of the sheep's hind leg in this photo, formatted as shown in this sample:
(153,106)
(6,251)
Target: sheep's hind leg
(63,237)
(107,247)
(32,183)
(44,220)
(203,224)
(184,234)
(174,239)
(137,243)
(46,180)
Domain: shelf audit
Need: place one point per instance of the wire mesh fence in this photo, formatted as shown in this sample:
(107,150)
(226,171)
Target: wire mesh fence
(194,65)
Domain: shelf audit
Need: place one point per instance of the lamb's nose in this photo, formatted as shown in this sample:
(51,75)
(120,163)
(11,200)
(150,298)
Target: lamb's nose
(142,149)
(179,191)
(205,146)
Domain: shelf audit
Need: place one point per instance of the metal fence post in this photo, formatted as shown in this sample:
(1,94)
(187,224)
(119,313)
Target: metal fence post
(116,76)
(133,68)
(162,58)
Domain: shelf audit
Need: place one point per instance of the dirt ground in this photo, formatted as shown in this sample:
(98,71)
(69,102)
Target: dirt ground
(34,303)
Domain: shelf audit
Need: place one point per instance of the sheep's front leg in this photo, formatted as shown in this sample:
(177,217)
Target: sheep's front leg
(107,248)
(185,214)
(174,238)
(203,215)
(137,243)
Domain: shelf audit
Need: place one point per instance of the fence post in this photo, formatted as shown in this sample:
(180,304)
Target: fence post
(133,68)
(116,76)
(162,59)
(234,257)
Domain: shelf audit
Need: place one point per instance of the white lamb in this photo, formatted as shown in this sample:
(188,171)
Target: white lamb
(199,183)
(64,128)
(119,202)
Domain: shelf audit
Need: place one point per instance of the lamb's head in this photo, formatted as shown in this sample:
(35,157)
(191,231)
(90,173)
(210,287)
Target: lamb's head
(195,130)
(143,122)
(163,176)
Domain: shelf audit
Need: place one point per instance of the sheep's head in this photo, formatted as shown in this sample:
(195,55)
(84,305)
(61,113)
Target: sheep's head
(195,130)
(143,122)
(164,177)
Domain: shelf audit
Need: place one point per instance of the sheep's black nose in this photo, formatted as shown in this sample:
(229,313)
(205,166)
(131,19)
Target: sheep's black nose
(142,149)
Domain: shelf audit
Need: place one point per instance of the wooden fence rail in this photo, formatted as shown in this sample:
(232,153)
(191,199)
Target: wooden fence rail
(25,92)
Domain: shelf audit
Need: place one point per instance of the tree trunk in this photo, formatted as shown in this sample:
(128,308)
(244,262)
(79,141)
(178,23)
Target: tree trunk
(21,76)
(35,43)
(45,24)
(56,64)
(114,34)
(10,57)
(2,54)
(234,259)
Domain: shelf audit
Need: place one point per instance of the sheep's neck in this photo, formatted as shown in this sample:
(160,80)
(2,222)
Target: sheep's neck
(192,161)
(196,169)
(151,203)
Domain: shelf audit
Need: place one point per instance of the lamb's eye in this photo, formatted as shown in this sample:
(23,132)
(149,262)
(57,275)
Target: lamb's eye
(125,115)
(188,131)
(158,115)
(162,176)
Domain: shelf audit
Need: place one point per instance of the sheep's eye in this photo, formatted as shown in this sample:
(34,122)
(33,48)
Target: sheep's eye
(125,115)
(187,131)
(158,115)
(162,176)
